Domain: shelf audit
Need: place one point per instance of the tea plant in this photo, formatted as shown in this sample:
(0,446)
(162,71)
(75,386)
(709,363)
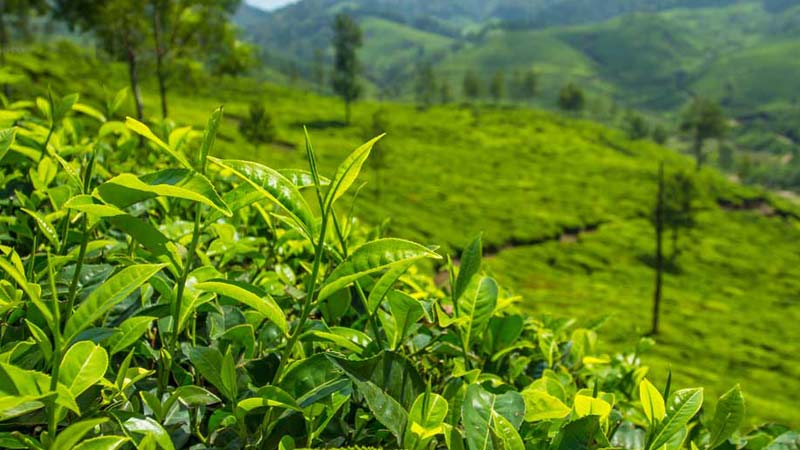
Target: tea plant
(154,296)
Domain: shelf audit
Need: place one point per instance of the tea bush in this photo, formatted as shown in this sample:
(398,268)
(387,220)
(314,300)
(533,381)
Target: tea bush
(154,296)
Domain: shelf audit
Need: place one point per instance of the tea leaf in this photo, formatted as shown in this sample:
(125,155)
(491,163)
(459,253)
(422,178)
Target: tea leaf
(83,365)
(372,257)
(470,266)
(249,296)
(102,443)
(127,189)
(142,130)
(425,420)
(274,187)
(348,171)
(113,291)
(652,402)
(728,417)
(477,305)
(70,436)
(683,405)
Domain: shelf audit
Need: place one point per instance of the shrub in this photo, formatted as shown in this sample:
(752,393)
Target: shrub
(258,127)
(203,303)
(571,98)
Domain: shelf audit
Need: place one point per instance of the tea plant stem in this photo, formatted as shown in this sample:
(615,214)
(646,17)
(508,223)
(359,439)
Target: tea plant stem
(33,255)
(187,267)
(73,286)
(55,361)
(370,316)
(47,140)
(309,301)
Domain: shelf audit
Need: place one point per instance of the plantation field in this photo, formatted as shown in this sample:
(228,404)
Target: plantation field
(564,208)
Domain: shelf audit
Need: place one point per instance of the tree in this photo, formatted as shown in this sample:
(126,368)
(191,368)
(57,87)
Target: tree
(445,93)
(680,191)
(525,85)
(471,85)
(346,41)
(379,153)
(660,134)
(19,11)
(571,98)
(425,85)
(231,56)
(658,222)
(636,126)
(726,154)
(121,27)
(258,127)
(703,120)
(497,88)
(182,28)
(318,70)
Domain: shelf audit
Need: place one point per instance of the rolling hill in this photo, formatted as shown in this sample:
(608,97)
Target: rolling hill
(652,56)
(564,206)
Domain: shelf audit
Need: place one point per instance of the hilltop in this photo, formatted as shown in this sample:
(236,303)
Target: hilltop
(564,206)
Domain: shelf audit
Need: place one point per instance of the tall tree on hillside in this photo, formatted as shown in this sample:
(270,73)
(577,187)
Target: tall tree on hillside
(680,192)
(571,98)
(445,93)
(19,12)
(425,85)
(471,85)
(378,155)
(497,88)
(636,125)
(658,222)
(186,27)
(346,41)
(529,86)
(121,27)
(231,56)
(703,120)
(659,134)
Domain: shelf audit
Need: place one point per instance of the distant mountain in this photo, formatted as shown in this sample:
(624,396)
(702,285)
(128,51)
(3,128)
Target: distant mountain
(300,27)
(651,55)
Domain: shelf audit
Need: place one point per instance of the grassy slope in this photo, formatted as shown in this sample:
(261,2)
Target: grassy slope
(520,176)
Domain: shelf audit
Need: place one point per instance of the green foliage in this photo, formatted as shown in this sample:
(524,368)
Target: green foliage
(571,98)
(258,126)
(636,126)
(425,85)
(347,39)
(113,338)
(704,119)
(471,85)
(497,87)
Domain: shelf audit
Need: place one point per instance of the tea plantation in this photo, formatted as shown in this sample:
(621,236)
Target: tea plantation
(564,207)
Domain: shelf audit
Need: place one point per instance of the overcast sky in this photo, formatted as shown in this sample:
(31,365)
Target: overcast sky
(269,4)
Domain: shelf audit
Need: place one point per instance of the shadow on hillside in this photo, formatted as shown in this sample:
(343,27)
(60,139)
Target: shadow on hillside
(671,265)
(320,124)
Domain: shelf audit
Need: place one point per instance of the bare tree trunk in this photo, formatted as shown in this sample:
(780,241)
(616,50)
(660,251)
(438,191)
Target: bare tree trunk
(162,85)
(659,248)
(133,72)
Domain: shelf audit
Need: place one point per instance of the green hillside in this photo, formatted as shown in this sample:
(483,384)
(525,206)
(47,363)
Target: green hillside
(651,57)
(564,208)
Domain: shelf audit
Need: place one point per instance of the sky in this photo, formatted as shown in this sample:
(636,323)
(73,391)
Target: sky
(269,4)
